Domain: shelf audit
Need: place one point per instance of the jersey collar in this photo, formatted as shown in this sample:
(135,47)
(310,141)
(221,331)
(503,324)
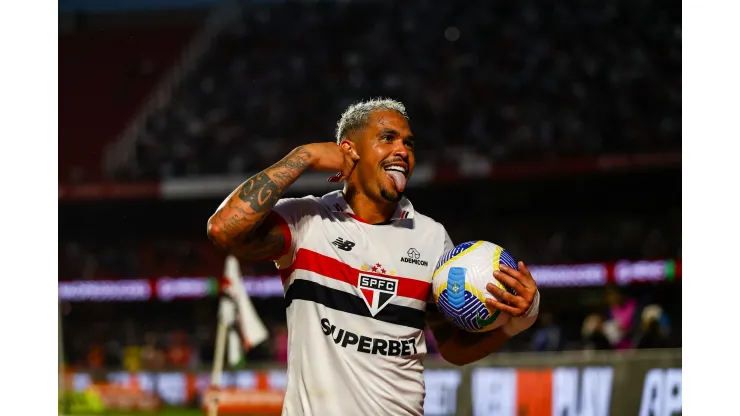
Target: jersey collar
(335,201)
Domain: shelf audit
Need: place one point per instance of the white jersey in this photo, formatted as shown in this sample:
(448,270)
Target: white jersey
(357,296)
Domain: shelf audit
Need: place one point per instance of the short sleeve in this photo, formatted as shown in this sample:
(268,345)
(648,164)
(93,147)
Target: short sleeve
(447,246)
(294,216)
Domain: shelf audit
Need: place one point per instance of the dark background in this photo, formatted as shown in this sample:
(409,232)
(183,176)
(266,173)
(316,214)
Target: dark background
(542,91)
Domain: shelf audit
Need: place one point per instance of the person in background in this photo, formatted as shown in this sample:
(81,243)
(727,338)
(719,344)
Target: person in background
(152,356)
(622,318)
(132,358)
(593,333)
(180,353)
(548,337)
(113,354)
(655,329)
(95,356)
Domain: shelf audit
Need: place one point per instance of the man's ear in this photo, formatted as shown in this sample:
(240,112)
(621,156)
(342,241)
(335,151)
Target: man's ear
(349,146)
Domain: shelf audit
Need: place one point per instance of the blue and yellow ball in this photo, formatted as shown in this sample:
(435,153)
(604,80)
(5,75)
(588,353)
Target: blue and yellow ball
(459,285)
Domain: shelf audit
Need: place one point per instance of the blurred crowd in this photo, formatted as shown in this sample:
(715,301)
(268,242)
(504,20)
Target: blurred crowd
(625,322)
(158,335)
(539,80)
(619,321)
(169,350)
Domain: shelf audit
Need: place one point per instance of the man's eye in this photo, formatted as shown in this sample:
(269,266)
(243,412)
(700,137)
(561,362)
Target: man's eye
(387,138)
(410,144)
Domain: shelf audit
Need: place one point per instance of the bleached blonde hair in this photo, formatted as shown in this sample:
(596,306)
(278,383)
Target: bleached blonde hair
(356,116)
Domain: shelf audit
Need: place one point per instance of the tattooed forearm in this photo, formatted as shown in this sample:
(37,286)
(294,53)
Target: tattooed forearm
(260,193)
(264,189)
(247,207)
(271,241)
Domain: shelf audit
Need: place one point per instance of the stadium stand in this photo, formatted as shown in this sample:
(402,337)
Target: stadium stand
(550,80)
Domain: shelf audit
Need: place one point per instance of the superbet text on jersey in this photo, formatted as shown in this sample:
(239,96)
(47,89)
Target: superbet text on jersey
(356,296)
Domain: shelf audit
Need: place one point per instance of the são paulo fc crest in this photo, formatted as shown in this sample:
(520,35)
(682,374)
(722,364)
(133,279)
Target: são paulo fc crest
(377,291)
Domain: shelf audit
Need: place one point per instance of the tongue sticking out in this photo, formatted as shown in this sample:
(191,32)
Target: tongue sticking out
(398,178)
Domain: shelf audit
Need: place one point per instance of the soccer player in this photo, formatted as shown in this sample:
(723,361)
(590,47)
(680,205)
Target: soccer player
(356,266)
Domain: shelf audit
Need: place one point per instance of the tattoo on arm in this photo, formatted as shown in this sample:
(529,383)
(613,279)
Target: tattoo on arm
(260,193)
(266,244)
(246,209)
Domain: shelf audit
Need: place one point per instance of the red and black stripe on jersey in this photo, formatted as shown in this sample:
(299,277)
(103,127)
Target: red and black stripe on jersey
(303,289)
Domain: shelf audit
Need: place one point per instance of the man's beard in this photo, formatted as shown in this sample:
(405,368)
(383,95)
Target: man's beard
(390,196)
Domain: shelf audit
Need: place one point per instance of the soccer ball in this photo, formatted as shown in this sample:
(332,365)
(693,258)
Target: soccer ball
(459,285)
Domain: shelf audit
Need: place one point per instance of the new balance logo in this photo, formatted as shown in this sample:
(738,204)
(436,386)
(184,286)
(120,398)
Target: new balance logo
(342,244)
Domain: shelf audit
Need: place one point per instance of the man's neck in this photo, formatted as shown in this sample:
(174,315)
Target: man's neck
(373,212)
